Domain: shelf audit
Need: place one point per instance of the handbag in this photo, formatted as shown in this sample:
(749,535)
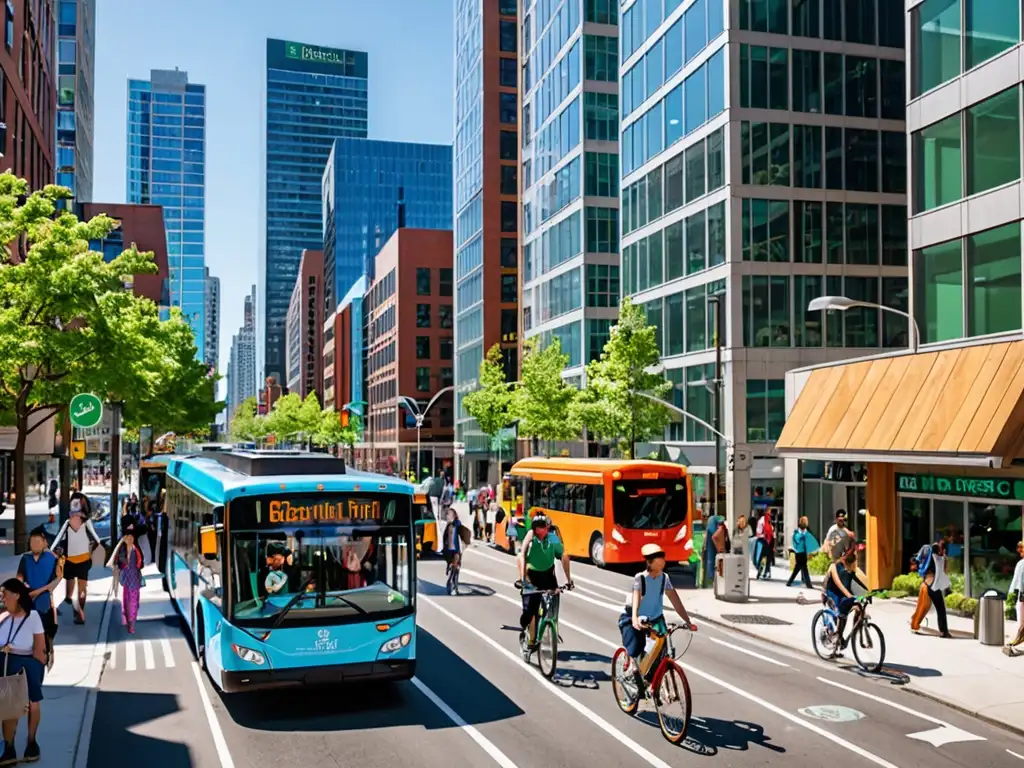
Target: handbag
(13,688)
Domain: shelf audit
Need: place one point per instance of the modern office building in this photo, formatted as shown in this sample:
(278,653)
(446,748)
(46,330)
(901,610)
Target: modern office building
(143,226)
(928,445)
(344,356)
(304,329)
(313,95)
(486,160)
(409,350)
(370,190)
(167,166)
(570,178)
(241,378)
(763,165)
(76,67)
(212,320)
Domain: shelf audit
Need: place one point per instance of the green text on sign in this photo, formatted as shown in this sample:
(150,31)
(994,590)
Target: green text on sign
(971,487)
(86,410)
(314,53)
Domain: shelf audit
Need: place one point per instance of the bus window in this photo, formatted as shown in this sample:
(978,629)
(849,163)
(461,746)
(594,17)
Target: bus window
(649,504)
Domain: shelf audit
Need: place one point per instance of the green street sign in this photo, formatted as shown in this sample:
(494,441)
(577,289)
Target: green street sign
(86,410)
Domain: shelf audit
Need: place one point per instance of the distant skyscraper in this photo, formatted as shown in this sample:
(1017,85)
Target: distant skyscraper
(167,166)
(241,379)
(212,320)
(370,190)
(313,95)
(76,56)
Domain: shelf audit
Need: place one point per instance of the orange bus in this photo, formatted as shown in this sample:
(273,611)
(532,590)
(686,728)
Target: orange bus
(606,509)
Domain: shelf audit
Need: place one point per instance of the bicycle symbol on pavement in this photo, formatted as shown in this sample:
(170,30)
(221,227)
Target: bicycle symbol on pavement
(832,714)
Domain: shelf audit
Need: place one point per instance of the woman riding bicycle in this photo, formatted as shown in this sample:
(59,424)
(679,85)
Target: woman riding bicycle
(644,603)
(839,581)
(537,567)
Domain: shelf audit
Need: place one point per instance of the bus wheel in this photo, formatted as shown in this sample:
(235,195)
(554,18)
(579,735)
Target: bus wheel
(597,550)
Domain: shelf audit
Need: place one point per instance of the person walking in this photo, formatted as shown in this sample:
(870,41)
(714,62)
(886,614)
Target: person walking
(765,545)
(1017,588)
(741,537)
(127,562)
(804,545)
(932,569)
(24,651)
(77,540)
(839,537)
(151,526)
(38,570)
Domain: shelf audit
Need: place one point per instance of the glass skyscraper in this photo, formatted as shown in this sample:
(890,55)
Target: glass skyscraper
(370,189)
(313,96)
(167,167)
(76,51)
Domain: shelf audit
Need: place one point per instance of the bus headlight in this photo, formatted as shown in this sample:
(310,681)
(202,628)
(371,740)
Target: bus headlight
(616,536)
(396,643)
(249,655)
(682,533)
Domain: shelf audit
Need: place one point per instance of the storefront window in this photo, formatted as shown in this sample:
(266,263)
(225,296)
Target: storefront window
(914,524)
(810,507)
(948,523)
(856,508)
(994,530)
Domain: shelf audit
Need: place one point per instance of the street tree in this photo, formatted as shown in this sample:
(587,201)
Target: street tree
(246,426)
(610,405)
(283,420)
(331,433)
(62,309)
(544,402)
(489,404)
(309,417)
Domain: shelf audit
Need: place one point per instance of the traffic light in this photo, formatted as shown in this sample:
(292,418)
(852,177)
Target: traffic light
(344,417)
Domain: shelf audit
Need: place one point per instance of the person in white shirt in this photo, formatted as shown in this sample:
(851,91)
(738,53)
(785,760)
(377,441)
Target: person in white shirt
(77,539)
(24,650)
(1017,585)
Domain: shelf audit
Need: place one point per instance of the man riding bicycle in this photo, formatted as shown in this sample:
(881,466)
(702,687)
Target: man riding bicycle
(537,567)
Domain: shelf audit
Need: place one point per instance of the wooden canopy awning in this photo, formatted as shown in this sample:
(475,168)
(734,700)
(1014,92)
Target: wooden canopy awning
(955,406)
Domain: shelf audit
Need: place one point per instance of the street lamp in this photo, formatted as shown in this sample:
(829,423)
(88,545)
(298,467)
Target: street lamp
(842,303)
(414,407)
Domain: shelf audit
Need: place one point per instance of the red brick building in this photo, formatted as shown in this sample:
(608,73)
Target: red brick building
(304,329)
(144,226)
(409,351)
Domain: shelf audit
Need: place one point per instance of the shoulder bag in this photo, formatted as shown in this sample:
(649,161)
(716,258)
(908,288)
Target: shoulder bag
(13,688)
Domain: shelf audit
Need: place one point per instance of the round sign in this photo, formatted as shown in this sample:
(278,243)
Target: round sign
(832,713)
(86,410)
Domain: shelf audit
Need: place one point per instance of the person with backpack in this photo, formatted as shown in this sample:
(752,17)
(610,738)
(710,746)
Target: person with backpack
(77,540)
(536,561)
(455,537)
(931,567)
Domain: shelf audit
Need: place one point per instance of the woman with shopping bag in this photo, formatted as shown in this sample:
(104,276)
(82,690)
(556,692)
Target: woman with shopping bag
(24,664)
(127,562)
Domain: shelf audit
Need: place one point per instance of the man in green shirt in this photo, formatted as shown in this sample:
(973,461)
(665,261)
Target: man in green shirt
(537,566)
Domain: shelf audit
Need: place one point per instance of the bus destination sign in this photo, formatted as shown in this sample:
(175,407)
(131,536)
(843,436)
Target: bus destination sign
(1002,488)
(298,512)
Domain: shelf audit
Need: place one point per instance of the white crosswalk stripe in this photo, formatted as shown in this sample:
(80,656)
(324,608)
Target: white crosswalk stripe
(126,654)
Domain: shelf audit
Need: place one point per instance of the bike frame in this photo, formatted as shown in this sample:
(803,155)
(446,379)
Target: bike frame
(548,611)
(661,653)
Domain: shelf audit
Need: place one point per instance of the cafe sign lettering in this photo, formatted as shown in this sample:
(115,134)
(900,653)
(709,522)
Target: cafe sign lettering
(974,487)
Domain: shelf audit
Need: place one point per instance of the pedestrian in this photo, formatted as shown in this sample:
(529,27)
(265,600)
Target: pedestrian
(512,532)
(765,545)
(127,562)
(492,519)
(839,538)
(716,541)
(24,651)
(741,537)
(804,545)
(38,570)
(454,538)
(931,565)
(151,526)
(1016,590)
(77,540)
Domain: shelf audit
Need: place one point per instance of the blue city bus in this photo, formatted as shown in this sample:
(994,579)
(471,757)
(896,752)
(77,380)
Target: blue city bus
(290,569)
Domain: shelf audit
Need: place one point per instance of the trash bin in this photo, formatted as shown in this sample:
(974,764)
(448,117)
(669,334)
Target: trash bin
(989,620)
(732,578)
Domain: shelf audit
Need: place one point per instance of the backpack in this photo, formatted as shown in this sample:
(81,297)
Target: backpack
(643,585)
(466,535)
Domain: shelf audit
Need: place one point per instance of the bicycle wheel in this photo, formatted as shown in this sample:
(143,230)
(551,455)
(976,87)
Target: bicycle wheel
(869,647)
(624,685)
(547,648)
(823,635)
(672,702)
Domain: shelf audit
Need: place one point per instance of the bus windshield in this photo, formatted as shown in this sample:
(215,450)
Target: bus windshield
(649,504)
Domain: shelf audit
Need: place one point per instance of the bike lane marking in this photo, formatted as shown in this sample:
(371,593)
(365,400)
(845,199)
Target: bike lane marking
(219,742)
(855,749)
(1015,754)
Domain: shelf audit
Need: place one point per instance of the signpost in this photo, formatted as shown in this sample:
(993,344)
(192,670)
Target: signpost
(86,410)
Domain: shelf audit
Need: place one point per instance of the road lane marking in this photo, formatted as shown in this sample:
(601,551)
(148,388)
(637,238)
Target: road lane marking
(870,756)
(211,718)
(112,661)
(129,657)
(484,743)
(937,737)
(1015,754)
(147,654)
(593,717)
(165,649)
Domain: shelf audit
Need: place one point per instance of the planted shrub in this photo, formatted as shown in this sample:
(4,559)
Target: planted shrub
(907,582)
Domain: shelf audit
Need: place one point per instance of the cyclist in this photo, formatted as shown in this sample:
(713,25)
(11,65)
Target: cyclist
(839,580)
(537,567)
(644,602)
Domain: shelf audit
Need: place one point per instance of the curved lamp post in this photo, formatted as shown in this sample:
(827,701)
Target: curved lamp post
(842,303)
(414,408)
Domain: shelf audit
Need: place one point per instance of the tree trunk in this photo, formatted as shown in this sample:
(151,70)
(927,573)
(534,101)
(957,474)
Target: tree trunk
(20,532)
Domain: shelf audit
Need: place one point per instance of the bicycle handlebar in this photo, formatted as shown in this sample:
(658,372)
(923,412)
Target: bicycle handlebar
(530,589)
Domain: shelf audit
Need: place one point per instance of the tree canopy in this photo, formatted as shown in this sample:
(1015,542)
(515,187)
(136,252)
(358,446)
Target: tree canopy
(489,404)
(544,403)
(293,419)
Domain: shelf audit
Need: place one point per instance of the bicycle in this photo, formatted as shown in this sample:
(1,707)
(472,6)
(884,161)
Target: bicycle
(664,686)
(452,572)
(542,634)
(828,644)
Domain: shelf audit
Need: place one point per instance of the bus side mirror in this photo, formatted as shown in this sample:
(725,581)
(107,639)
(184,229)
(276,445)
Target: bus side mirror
(208,542)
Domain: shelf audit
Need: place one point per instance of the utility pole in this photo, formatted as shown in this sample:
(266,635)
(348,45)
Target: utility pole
(115,471)
(715,300)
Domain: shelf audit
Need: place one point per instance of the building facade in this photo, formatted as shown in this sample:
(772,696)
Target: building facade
(486,188)
(926,445)
(76,68)
(313,95)
(212,321)
(241,378)
(305,329)
(167,167)
(409,351)
(570,178)
(344,352)
(370,190)
(763,160)
(143,226)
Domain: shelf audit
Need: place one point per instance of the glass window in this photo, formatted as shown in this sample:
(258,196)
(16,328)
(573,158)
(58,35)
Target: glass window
(654,61)
(938,176)
(765,153)
(832,19)
(509,256)
(938,291)
(600,11)
(508,145)
(806,81)
(507,7)
(994,277)
(716,83)
(807,168)
(602,230)
(861,323)
(993,134)
(655,264)
(602,174)
(509,214)
(696,28)
(695,181)
(674,339)
(674,251)
(696,255)
(673,50)
(509,180)
(860,21)
(422,379)
(807,18)
(716,234)
(674,115)
(994,530)
(778,78)
(601,117)
(422,347)
(696,319)
(695,94)
(991,27)
(861,233)
(835,225)
(861,87)
(766,409)
(861,166)
(894,235)
(935,26)
(891,25)
(809,232)
(894,162)
(507,36)
(422,315)
(508,109)
(765,230)
(655,139)
(892,75)
(509,289)
(895,294)
(422,281)
(834,79)
(507,72)
(674,183)
(807,330)
(600,58)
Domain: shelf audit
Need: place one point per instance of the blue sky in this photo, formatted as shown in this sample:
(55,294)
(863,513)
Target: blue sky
(222,44)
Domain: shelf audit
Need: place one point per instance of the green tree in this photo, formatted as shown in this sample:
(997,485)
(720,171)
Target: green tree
(610,405)
(246,426)
(544,403)
(489,404)
(63,310)
(283,421)
(330,432)
(310,416)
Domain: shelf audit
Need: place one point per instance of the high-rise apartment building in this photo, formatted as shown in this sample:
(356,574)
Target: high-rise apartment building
(76,67)
(570,176)
(304,330)
(241,378)
(313,96)
(371,189)
(924,444)
(167,167)
(763,156)
(344,351)
(212,320)
(486,163)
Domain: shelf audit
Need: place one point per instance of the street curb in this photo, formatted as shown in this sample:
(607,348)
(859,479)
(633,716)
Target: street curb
(909,687)
(80,757)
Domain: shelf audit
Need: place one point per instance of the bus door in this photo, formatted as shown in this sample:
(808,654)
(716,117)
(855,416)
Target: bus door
(425,520)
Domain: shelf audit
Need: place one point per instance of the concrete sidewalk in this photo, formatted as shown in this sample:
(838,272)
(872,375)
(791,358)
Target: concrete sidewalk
(961,672)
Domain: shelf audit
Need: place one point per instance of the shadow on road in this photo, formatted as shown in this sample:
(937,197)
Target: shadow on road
(708,735)
(124,718)
(430,589)
(376,705)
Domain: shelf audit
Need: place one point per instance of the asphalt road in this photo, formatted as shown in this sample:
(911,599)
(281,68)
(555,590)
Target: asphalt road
(475,703)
